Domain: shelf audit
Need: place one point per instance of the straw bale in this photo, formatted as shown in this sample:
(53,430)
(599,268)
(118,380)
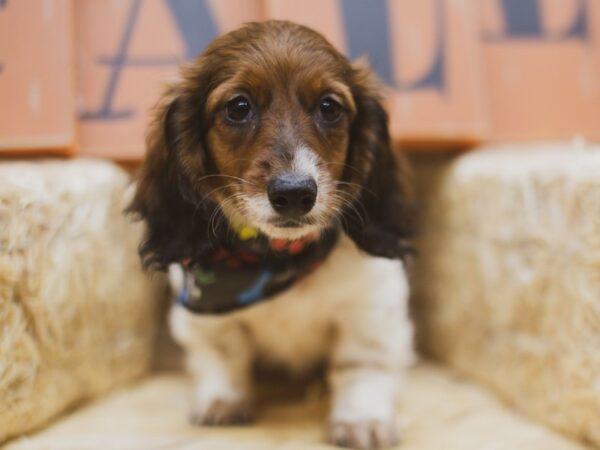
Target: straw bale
(76,310)
(508,277)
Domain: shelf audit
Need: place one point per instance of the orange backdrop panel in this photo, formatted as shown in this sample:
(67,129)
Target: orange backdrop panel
(127,50)
(321,15)
(424,51)
(456,71)
(437,98)
(37,107)
(542,67)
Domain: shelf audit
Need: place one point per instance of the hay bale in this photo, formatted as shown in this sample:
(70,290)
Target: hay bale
(508,279)
(76,310)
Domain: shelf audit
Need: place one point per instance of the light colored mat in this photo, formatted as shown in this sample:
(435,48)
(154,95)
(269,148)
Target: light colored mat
(438,410)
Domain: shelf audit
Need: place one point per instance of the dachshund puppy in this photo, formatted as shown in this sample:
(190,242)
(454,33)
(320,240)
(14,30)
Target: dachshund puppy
(271,195)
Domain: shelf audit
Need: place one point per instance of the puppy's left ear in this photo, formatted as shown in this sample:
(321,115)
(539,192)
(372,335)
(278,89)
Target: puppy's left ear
(382,216)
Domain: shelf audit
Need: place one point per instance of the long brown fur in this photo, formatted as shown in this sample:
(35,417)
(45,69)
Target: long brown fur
(196,161)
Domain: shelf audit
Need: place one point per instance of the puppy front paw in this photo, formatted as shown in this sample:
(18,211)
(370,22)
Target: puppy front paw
(363,435)
(222,413)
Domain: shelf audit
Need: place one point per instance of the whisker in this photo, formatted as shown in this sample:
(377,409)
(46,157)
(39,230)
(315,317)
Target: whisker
(350,205)
(360,186)
(226,202)
(224,176)
(217,189)
(212,221)
(341,164)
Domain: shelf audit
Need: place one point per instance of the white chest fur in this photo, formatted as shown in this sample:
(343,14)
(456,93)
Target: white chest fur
(350,292)
(351,311)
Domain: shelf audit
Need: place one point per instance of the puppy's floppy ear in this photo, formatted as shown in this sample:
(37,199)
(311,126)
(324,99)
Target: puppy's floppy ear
(165,198)
(382,218)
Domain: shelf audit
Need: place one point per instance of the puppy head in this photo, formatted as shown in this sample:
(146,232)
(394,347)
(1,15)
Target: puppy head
(271,128)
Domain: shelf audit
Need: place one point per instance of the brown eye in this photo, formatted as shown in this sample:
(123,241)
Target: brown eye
(330,111)
(238,110)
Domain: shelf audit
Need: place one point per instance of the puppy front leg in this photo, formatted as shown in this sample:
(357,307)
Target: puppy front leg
(219,357)
(365,375)
(363,411)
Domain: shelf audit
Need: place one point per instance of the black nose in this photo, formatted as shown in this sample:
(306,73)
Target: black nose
(292,195)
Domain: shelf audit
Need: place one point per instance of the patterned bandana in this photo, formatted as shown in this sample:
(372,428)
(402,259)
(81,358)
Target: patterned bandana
(250,269)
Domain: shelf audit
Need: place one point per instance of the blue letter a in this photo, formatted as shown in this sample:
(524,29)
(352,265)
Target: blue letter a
(197,29)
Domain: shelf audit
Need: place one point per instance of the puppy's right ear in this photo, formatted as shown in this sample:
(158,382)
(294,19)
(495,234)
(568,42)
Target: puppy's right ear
(164,198)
